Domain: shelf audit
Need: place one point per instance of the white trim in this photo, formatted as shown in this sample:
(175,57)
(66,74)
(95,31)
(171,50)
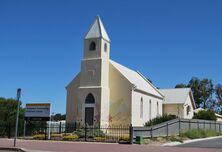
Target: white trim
(88,105)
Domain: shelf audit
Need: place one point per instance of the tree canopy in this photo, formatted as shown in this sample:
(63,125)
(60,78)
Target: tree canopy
(8,108)
(204,92)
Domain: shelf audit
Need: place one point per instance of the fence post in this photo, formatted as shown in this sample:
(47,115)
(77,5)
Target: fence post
(210,125)
(204,124)
(189,125)
(215,126)
(75,126)
(131,133)
(179,127)
(198,127)
(85,132)
(9,131)
(167,129)
(60,127)
(151,132)
(45,131)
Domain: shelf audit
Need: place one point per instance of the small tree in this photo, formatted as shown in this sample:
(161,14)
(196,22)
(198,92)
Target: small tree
(205,115)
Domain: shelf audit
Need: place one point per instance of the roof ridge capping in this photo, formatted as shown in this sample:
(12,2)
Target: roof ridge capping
(176,88)
(150,83)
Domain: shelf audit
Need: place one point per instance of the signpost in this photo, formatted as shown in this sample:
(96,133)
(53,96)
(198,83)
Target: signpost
(17,114)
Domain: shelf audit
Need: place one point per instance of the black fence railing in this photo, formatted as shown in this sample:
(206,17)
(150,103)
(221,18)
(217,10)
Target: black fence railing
(125,134)
(76,132)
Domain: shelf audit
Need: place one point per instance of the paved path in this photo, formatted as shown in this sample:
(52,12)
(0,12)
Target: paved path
(57,146)
(210,143)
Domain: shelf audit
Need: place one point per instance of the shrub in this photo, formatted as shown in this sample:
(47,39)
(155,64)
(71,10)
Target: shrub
(99,138)
(70,137)
(124,138)
(205,115)
(175,138)
(56,135)
(90,132)
(199,133)
(160,119)
(39,136)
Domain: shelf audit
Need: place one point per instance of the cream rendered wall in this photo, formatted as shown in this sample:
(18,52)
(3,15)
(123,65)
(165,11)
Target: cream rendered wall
(219,118)
(174,109)
(82,93)
(188,102)
(99,52)
(120,98)
(136,100)
(72,100)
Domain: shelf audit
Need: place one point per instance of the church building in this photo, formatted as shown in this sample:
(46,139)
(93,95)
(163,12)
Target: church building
(105,92)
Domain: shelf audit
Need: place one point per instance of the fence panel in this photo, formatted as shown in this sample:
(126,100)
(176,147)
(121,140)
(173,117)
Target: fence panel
(76,132)
(175,127)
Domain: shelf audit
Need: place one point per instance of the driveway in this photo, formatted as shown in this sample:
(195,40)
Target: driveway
(60,146)
(210,143)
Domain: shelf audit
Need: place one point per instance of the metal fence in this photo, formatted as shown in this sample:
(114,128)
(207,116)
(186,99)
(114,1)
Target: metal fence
(175,127)
(127,134)
(75,132)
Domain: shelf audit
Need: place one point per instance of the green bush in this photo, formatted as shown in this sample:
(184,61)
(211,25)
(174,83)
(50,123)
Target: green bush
(124,138)
(90,132)
(160,119)
(39,136)
(199,133)
(70,137)
(205,115)
(99,138)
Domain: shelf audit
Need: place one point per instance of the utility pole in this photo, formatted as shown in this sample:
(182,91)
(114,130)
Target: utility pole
(17,114)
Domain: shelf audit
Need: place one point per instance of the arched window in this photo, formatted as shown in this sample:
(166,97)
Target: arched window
(150,109)
(157,108)
(141,108)
(92,46)
(90,98)
(105,47)
(188,110)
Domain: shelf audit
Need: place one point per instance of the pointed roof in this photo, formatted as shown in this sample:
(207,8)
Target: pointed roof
(97,30)
(137,79)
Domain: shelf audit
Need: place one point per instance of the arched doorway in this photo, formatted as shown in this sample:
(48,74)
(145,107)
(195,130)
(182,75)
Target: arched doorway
(89,109)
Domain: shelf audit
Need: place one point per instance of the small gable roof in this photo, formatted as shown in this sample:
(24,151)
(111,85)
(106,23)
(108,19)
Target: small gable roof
(137,79)
(176,95)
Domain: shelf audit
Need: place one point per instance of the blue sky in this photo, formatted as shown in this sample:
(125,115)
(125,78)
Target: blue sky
(41,42)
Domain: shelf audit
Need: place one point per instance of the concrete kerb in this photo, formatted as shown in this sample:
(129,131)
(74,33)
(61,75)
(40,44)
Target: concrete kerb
(190,141)
(12,149)
(20,149)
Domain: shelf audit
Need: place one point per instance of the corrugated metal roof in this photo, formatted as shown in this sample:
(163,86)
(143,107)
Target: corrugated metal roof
(137,79)
(176,95)
(97,30)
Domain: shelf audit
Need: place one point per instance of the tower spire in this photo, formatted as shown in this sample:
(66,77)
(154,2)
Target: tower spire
(97,30)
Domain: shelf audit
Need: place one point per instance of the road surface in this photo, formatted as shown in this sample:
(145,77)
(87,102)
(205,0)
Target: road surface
(210,143)
(60,146)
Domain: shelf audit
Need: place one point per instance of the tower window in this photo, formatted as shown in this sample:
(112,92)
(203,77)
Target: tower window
(92,46)
(105,47)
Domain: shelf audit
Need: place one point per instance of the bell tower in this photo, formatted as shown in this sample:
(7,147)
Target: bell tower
(94,76)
